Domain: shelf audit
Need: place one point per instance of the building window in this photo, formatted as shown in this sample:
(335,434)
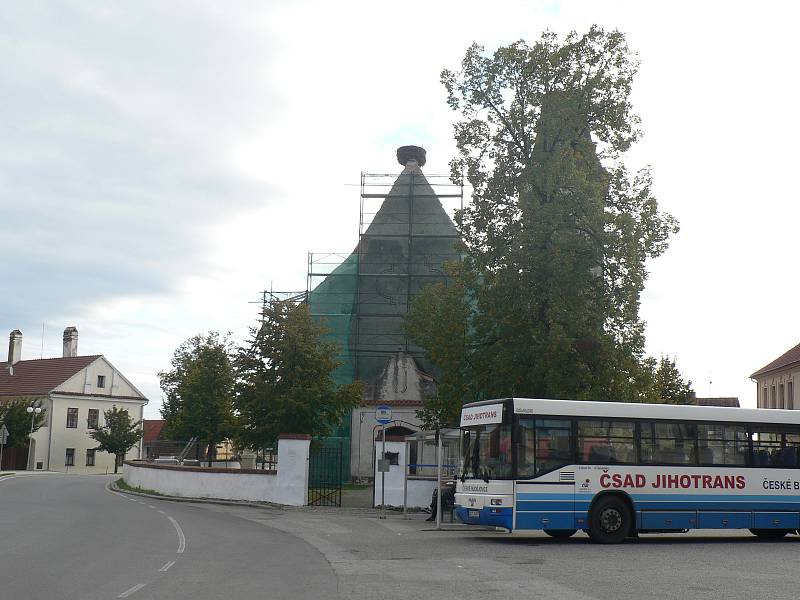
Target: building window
(90,457)
(780,396)
(773,402)
(94,417)
(101,381)
(790,395)
(764,398)
(72,418)
(69,460)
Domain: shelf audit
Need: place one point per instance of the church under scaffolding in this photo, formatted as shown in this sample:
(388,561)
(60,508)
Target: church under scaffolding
(406,234)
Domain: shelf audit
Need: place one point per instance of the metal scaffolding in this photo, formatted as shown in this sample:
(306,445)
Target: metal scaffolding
(406,233)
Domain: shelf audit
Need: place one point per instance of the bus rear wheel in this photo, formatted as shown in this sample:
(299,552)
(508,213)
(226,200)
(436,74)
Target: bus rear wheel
(609,521)
(560,534)
(770,534)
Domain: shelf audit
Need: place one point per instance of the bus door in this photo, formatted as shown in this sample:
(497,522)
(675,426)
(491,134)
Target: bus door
(544,491)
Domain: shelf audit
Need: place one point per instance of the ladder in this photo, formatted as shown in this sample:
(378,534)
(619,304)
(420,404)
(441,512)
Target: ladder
(186,449)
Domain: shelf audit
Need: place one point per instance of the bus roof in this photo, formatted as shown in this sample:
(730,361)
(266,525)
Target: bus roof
(633,410)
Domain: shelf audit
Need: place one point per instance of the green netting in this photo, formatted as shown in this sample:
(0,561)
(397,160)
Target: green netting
(402,251)
(333,303)
(363,302)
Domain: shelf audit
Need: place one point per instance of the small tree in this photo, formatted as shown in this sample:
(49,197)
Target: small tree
(118,434)
(199,391)
(667,384)
(14,413)
(438,323)
(285,379)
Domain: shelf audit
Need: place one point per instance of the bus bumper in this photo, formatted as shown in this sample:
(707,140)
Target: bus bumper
(488,516)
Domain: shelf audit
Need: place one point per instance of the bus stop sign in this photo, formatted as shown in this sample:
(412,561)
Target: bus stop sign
(383,414)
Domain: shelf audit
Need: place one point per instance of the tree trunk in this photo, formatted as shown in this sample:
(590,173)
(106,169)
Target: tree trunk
(211,446)
(116,463)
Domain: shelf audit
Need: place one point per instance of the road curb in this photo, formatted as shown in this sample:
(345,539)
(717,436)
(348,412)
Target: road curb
(113,487)
(364,512)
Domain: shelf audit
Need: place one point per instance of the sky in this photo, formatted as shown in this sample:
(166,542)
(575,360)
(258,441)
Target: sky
(163,162)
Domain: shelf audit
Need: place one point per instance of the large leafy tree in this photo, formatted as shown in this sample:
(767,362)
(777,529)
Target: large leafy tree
(118,434)
(557,234)
(14,414)
(285,379)
(199,391)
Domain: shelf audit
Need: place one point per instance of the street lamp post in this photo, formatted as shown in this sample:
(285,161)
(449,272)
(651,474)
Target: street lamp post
(32,412)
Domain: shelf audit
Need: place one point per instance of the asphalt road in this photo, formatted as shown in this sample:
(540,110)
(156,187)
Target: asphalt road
(65,536)
(408,560)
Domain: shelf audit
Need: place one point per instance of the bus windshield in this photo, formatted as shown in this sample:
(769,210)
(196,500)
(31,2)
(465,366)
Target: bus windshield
(486,452)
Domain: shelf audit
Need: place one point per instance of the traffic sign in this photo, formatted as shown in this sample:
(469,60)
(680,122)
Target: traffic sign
(383,414)
(3,434)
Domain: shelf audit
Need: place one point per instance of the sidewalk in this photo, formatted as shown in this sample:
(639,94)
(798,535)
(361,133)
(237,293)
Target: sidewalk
(357,497)
(396,558)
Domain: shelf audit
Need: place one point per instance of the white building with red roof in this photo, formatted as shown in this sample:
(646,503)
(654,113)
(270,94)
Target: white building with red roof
(75,391)
(776,381)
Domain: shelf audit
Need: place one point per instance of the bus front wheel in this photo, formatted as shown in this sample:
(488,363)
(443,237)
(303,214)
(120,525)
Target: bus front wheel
(770,534)
(560,534)
(609,521)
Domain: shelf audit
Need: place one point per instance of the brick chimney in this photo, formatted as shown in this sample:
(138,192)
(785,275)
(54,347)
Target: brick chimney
(70,342)
(15,347)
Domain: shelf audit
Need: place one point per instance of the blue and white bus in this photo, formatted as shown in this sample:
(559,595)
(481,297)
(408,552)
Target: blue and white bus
(616,469)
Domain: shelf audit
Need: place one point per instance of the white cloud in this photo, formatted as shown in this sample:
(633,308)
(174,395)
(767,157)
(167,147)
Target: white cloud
(163,163)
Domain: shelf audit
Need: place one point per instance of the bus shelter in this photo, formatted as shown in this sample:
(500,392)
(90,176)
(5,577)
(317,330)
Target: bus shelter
(418,464)
(431,457)
(414,471)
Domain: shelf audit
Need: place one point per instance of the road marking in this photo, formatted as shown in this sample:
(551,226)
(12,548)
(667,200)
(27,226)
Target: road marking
(178,530)
(15,476)
(133,590)
(166,566)
(181,537)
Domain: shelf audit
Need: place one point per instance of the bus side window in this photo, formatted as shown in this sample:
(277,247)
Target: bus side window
(668,443)
(603,442)
(721,444)
(776,447)
(553,444)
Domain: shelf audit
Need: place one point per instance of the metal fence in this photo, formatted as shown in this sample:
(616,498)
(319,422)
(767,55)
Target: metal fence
(325,476)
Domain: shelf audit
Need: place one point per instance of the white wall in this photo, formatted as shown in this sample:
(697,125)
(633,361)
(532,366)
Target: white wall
(85,381)
(289,486)
(81,391)
(363,428)
(776,379)
(52,440)
(197,482)
(420,489)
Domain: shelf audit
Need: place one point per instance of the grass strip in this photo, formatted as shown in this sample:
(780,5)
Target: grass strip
(123,485)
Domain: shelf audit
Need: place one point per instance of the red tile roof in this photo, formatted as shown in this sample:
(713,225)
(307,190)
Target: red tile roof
(39,377)
(393,402)
(152,429)
(784,360)
(730,402)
